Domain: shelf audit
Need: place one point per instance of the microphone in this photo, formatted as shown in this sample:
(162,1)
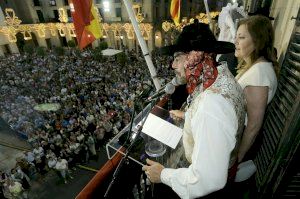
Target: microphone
(145,93)
(177,82)
(168,89)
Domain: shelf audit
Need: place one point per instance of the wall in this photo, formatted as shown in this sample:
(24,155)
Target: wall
(283,11)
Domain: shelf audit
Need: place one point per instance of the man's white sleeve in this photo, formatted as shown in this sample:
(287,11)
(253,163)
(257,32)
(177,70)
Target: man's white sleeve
(214,127)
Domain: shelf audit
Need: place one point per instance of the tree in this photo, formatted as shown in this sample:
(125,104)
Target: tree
(40,51)
(77,52)
(103,45)
(29,48)
(60,51)
(71,43)
(121,58)
(97,54)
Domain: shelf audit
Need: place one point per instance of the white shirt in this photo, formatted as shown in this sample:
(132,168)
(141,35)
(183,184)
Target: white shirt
(213,140)
(29,157)
(38,152)
(260,74)
(15,189)
(61,165)
(52,163)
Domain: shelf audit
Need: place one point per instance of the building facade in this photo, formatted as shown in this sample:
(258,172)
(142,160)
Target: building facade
(48,23)
(118,31)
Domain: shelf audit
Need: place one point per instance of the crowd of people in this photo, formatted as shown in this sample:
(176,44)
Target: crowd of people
(96,101)
(221,120)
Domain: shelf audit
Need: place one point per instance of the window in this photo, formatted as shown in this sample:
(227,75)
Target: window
(167,12)
(40,16)
(69,13)
(7,49)
(66,2)
(101,12)
(36,3)
(56,15)
(48,42)
(118,12)
(52,2)
(157,12)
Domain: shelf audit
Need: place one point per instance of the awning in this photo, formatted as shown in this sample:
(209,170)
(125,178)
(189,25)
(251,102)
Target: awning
(110,52)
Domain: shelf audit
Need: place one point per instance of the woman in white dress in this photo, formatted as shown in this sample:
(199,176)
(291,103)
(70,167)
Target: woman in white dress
(256,74)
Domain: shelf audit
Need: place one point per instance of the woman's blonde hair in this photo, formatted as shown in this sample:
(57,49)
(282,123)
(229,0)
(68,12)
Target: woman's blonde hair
(262,34)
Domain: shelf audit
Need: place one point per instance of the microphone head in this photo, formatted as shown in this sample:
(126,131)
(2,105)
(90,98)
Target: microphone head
(176,81)
(170,88)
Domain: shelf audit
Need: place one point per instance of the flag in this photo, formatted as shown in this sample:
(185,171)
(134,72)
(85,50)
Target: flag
(86,23)
(175,11)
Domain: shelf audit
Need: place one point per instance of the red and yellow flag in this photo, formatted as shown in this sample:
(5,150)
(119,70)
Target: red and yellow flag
(86,23)
(175,11)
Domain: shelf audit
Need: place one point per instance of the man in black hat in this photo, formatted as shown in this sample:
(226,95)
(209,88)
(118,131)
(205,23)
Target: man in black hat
(213,118)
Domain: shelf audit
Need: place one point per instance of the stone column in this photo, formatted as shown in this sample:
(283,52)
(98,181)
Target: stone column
(14,48)
(55,40)
(1,51)
(95,43)
(41,41)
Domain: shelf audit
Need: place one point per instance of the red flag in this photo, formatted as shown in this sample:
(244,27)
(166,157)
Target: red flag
(86,22)
(175,11)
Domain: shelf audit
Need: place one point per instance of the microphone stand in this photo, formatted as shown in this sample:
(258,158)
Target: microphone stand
(125,157)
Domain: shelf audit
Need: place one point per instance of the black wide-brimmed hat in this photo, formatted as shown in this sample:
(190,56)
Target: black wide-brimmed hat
(198,36)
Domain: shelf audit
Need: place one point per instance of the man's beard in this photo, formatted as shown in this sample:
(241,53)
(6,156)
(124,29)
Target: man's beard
(180,79)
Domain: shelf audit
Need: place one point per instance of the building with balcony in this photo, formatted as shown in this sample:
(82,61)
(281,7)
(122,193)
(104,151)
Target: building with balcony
(41,23)
(118,31)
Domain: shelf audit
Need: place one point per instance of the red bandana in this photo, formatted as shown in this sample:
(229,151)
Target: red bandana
(200,68)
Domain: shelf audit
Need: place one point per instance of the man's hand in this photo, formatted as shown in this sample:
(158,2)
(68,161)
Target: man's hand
(153,171)
(176,114)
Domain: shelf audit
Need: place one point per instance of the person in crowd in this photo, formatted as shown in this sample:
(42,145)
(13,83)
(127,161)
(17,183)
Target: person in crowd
(62,167)
(99,135)
(27,167)
(29,156)
(213,119)
(16,189)
(257,75)
(38,152)
(18,175)
(39,158)
(52,162)
(4,192)
(91,145)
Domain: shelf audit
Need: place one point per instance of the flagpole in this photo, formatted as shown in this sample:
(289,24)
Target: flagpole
(142,44)
(207,11)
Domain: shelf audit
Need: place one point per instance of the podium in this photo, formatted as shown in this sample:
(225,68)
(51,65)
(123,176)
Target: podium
(145,147)
(116,144)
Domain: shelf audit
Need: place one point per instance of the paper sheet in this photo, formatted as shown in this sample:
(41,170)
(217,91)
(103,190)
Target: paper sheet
(162,130)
